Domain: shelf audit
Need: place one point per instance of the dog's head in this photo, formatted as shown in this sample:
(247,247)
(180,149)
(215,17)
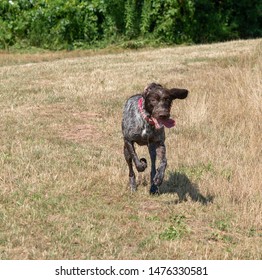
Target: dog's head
(158,100)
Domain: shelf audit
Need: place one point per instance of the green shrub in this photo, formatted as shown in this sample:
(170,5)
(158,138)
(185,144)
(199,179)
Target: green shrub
(57,24)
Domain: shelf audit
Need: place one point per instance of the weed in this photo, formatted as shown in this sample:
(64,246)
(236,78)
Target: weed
(197,171)
(222,225)
(176,230)
(153,218)
(227,173)
(220,237)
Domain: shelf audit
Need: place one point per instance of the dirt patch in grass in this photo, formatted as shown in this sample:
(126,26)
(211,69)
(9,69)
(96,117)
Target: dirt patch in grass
(70,124)
(79,133)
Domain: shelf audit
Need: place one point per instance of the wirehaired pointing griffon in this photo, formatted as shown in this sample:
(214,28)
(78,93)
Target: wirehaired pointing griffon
(144,117)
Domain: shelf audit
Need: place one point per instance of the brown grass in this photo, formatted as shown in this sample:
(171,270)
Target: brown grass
(63,178)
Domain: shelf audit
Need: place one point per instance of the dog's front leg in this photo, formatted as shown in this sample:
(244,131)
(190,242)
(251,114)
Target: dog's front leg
(160,172)
(152,152)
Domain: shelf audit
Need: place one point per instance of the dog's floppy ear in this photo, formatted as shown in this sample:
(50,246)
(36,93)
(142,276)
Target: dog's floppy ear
(178,93)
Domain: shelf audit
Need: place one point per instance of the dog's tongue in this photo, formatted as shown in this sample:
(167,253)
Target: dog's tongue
(167,123)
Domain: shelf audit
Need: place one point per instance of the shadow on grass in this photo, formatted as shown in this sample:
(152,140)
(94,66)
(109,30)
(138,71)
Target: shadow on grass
(180,184)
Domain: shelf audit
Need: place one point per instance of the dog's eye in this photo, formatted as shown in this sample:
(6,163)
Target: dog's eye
(153,101)
(167,101)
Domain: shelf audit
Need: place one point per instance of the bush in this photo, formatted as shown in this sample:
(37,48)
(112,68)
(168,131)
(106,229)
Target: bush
(57,24)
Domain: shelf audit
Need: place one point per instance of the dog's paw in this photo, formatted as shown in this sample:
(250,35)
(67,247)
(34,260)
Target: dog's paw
(142,165)
(132,183)
(154,190)
(158,179)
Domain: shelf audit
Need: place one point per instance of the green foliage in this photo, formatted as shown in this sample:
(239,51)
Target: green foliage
(69,24)
(198,171)
(171,19)
(176,230)
(13,23)
(61,23)
(211,21)
(222,225)
(131,19)
(247,19)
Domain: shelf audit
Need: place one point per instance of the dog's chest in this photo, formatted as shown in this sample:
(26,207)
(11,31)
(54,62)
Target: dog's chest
(148,132)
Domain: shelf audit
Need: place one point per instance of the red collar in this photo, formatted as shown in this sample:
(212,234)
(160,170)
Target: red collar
(152,121)
(144,115)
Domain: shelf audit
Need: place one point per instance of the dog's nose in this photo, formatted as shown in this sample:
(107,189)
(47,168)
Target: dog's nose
(164,115)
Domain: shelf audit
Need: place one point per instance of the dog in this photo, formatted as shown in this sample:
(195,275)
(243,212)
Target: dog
(144,117)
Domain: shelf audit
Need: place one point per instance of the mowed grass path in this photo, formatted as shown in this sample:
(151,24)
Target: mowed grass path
(63,178)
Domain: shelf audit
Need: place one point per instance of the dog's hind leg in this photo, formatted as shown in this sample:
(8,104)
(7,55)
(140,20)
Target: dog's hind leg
(132,177)
(140,164)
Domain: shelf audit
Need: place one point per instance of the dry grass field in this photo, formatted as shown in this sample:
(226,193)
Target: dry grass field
(63,178)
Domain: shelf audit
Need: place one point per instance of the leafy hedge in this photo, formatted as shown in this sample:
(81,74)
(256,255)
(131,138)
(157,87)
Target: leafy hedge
(57,24)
